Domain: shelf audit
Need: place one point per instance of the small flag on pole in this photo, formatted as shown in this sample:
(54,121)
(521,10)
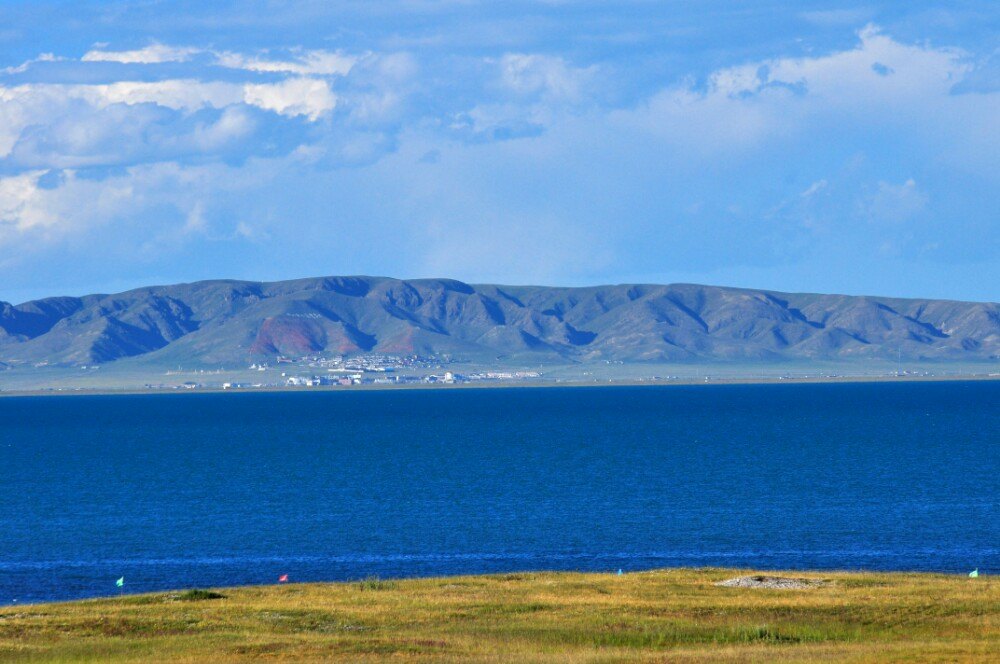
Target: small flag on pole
(974,573)
(120,582)
(619,572)
(283,578)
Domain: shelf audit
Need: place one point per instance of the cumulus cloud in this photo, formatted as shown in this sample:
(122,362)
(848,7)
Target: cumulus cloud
(880,81)
(33,212)
(379,88)
(66,124)
(302,63)
(775,152)
(549,77)
(121,135)
(295,96)
(19,195)
(152,54)
(525,94)
(877,68)
(74,126)
(178,94)
(144,209)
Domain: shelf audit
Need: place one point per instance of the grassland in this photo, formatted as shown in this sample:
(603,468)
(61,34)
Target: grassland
(658,616)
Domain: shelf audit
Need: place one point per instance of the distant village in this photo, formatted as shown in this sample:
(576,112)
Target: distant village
(387,370)
(368,369)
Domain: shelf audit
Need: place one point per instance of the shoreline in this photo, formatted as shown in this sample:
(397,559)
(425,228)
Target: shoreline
(524,384)
(681,614)
(735,571)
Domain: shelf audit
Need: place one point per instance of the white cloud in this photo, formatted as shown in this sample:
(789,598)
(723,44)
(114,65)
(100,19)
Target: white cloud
(550,77)
(706,140)
(740,80)
(72,114)
(195,221)
(38,105)
(138,211)
(301,63)
(31,211)
(853,76)
(25,66)
(67,112)
(19,195)
(713,123)
(179,94)
(814,188)
(880,81)
(531,92)
(878,68)
(379,88)
(234,124)
(153,54)
(310,97)
(896,203)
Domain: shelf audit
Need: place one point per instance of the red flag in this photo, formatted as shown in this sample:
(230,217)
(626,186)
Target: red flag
(283,578)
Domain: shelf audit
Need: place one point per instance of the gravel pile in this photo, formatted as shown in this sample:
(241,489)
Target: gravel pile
(774,582)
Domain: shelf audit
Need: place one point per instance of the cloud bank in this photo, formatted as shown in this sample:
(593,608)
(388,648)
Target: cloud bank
(505,165)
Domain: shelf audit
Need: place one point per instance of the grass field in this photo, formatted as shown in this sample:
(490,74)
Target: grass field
(658,616)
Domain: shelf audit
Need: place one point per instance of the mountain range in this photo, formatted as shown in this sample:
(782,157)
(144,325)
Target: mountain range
(213,322)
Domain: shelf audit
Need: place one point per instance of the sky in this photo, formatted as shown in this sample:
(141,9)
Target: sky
(792,145)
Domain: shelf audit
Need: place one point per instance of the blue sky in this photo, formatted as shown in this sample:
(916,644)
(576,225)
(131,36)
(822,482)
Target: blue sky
(798,146)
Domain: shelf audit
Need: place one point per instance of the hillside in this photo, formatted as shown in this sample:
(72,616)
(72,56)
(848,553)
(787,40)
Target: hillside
(213,322)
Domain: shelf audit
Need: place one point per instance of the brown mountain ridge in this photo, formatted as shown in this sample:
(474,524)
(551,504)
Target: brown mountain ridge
(209,322)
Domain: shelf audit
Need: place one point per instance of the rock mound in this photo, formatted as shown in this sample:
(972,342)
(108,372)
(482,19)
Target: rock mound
(772,582)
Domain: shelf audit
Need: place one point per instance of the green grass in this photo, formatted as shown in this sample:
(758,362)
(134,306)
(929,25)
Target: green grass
(658,616)
(375,583)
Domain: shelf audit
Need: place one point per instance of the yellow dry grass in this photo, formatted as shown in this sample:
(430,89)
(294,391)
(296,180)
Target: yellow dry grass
(657,616)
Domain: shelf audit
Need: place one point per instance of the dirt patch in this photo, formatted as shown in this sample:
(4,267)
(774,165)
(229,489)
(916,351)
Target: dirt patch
(771,582)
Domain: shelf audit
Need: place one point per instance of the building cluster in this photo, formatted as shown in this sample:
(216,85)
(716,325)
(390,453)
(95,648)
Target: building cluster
(503,375)
(368,362)
(346,371)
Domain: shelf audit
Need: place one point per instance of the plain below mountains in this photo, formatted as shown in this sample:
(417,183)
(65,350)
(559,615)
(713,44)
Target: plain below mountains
(214,322)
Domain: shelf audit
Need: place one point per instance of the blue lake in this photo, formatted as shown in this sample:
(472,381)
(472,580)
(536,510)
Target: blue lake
(187,490)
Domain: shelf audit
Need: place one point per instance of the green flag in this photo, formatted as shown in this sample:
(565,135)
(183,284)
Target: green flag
(974,573)
(120,582)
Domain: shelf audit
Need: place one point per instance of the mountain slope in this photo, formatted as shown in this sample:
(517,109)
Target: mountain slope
(213,322)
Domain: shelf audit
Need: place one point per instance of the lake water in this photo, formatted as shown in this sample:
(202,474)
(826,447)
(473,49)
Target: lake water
(175,491)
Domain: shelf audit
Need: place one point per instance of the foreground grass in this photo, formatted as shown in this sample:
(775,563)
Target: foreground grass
(669,615)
